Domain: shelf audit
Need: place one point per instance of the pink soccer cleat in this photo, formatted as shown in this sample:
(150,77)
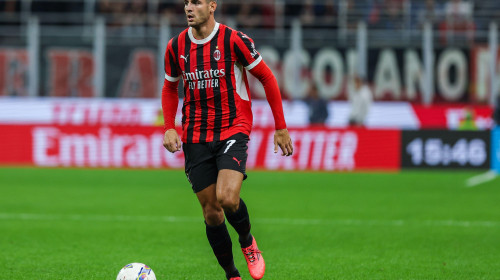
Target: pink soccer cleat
(255,261)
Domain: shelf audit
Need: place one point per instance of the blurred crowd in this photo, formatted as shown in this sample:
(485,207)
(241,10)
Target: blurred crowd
(456,15)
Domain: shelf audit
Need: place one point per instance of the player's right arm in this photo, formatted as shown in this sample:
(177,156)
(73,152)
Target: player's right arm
(170,101)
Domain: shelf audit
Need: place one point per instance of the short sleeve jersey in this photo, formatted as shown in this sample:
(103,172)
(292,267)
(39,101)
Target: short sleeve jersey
(217,103)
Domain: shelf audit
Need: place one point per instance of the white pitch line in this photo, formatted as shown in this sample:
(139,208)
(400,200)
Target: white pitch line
(481,179)
(272,221)
(99,218)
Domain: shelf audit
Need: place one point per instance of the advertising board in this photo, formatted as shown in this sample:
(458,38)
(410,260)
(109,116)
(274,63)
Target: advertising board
(396,74)
(141,147)
(147,112)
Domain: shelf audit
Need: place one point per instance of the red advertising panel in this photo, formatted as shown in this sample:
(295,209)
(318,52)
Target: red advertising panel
(16,147)
(328,149)
(141,147)
(454,116)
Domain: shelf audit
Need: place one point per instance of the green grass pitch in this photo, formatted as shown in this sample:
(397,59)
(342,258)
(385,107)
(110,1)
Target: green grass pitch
(88,223)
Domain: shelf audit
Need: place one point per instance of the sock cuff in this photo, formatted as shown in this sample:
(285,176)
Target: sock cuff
(216,229)
(239,215)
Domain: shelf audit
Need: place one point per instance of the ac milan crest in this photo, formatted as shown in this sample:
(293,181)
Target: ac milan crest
(217,55)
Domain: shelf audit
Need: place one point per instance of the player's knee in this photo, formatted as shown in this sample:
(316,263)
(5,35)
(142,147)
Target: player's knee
(229,203)
(213,216)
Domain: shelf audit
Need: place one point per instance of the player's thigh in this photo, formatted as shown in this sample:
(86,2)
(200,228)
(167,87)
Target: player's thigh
(200,165)
(229,187)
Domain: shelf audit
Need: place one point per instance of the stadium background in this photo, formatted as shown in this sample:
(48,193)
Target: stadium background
(79,87)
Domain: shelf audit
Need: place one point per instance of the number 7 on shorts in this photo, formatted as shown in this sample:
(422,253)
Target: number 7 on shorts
(229,144)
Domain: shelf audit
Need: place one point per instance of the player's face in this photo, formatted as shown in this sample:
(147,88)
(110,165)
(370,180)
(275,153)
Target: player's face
(198,12)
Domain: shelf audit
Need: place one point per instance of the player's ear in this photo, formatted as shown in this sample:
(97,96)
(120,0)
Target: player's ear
(213,6)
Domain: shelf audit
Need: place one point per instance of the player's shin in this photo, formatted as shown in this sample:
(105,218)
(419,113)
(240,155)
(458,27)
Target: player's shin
(240,220)
(221,244)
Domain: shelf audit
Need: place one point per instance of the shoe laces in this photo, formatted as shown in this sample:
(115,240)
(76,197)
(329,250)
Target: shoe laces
(251,253)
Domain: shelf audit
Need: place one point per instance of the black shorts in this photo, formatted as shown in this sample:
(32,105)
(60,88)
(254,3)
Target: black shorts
(204,160)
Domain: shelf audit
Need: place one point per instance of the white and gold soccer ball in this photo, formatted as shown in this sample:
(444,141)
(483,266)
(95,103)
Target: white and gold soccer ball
(136,271)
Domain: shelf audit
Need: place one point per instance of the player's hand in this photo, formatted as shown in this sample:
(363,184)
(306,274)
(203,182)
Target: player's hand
(282,139)
(171,141)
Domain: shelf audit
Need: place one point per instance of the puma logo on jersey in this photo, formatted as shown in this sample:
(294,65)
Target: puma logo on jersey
(238,161)
(185,57)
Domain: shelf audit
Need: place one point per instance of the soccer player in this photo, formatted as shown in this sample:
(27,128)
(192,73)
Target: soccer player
(212,60)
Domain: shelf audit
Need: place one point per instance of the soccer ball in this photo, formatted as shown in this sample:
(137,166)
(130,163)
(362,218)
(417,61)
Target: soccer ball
(136,271)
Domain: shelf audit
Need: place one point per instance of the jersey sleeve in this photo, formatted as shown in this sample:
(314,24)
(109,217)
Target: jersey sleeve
(245,51)
(172,72)
(169,102)
(273,95)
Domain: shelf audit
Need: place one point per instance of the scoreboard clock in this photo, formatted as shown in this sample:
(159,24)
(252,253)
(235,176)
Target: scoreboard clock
(445,149)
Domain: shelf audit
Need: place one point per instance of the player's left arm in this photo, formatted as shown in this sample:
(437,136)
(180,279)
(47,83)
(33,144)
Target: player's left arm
(252,61)
(281,137)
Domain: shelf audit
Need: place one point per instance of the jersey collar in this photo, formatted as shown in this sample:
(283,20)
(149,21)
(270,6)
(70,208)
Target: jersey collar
(200,42)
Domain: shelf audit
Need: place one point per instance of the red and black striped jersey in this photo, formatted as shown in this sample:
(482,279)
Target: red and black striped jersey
(217,103)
